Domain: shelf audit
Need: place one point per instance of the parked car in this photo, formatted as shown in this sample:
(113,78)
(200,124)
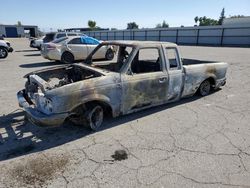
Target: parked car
(141,75)
(70,49)
(5,48)
(37,43)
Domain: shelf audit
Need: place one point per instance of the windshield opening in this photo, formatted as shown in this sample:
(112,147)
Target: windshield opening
(110,57)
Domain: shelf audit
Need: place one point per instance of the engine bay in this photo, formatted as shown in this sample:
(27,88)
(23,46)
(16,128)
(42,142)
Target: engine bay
(58,77)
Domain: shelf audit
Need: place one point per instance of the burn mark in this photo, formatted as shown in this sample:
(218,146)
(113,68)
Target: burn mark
(211,70)
(38,171)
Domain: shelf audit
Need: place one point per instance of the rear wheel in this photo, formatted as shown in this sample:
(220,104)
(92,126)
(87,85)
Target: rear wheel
(205,88)
(67,57)
(3,52)
(109,54)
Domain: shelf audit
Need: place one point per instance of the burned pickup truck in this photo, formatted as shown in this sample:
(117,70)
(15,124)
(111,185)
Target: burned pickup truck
(141,75)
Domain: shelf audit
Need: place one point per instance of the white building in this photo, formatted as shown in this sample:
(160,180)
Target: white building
(18,31)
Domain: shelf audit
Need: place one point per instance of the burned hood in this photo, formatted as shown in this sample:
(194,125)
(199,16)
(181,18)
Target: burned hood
(58,76)
(44,70)
(82,65)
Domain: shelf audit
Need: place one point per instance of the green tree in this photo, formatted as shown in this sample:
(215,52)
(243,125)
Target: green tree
(204,21)
(222,17)
(132,25)
(237,16)
(19,23)
(196,19)
(158,25)
(163,25)
(92,24)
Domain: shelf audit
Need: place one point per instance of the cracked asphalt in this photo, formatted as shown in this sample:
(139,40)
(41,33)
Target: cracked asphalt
(197,142)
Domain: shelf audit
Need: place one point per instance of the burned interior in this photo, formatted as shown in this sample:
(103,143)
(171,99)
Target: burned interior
(121,54)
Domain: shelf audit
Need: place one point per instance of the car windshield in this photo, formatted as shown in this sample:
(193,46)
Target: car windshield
(111,57)
(49,37)
(56,41)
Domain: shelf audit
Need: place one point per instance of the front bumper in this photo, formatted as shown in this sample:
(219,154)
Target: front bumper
(39,118)
(10,49)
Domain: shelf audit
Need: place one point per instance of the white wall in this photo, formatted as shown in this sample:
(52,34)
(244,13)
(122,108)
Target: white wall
(206,35)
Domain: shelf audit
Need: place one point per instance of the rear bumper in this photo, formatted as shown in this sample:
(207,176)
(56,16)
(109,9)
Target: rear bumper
(51,55)
(39,118)
(220,82)
(33,44)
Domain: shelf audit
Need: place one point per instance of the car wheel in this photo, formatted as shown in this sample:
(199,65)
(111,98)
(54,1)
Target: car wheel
(109,54)
(3,52)
(205,88)
(94,117)
(39,48)
(67,57)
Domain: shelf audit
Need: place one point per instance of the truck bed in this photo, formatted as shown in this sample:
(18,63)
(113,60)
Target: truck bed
(196,61)
(196,71)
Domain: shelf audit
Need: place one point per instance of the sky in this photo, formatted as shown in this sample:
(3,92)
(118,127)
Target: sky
(61,14)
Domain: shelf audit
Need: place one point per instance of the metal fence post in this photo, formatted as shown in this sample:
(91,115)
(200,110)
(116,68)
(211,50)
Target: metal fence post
(198,35)
(177,35)
(159,35)
(146,35)
(222,36)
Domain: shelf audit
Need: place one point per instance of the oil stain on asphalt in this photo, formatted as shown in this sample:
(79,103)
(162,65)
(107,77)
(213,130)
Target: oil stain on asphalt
(120,155)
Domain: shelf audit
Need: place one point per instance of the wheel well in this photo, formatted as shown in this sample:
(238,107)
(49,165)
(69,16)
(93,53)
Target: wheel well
(67,52)
(3,47)
(212,81)
(106,107)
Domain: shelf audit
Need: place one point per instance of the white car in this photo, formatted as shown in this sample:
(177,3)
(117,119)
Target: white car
(5,48)
(37,43)
(70,49)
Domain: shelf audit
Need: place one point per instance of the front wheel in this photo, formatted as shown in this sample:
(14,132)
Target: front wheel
(205,88)
(91,116)
(3,52)
(109,54)
(94,117)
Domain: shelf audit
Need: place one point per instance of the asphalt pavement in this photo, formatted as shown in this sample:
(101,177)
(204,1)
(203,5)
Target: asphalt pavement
(196,142)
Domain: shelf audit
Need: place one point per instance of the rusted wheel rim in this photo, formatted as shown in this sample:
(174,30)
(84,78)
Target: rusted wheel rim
(205,88)
(96,117)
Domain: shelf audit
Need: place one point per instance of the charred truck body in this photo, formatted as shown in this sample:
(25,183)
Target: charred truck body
(141,75)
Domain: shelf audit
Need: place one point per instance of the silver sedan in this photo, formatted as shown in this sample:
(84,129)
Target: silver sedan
(70,49)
